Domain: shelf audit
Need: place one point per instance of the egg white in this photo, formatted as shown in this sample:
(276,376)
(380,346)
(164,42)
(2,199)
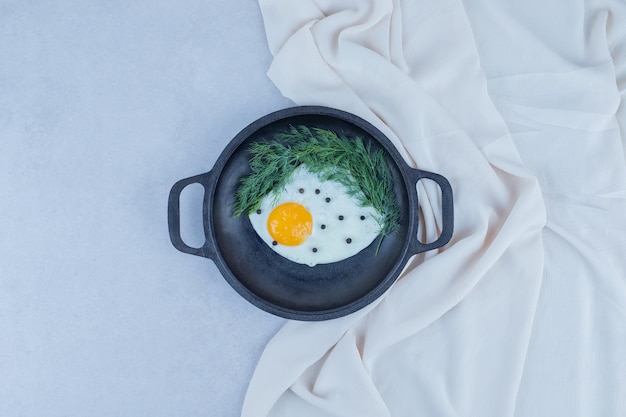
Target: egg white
(332,239)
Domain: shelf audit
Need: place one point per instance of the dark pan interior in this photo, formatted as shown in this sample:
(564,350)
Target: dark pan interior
(274,280)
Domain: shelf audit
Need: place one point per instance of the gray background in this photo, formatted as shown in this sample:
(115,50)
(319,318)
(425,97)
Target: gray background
(103,106)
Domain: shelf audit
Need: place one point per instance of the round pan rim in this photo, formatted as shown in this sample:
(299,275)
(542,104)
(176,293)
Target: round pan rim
(211,250)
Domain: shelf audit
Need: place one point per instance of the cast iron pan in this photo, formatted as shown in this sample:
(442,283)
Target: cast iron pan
(285,288)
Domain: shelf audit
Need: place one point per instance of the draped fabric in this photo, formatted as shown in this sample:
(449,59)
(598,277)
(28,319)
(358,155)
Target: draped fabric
(527,134)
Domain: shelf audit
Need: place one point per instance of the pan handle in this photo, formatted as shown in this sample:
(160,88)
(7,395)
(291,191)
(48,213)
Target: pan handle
(447,209)
(207,250)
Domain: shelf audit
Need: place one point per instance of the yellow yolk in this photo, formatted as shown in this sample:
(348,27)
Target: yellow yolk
(290,224)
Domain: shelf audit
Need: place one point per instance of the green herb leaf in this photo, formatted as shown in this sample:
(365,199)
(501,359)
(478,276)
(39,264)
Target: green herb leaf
(348,161)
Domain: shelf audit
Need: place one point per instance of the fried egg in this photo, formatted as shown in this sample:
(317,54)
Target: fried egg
(314,222)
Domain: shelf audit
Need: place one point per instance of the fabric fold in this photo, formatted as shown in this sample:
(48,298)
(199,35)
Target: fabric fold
(564,106)
(411,68)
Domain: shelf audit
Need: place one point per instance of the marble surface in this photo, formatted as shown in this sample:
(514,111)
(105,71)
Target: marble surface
(103,106)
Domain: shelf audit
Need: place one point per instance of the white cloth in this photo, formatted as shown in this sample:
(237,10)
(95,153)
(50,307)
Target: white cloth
(560,94)
(452,336)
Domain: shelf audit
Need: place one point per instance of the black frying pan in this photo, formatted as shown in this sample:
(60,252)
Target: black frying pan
(285,288)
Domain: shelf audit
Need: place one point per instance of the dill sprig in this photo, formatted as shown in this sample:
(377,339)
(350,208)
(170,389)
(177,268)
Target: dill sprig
(349,161)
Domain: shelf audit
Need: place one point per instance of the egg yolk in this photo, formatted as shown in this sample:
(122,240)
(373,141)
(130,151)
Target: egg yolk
(290,224)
